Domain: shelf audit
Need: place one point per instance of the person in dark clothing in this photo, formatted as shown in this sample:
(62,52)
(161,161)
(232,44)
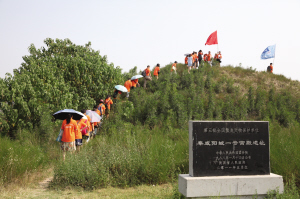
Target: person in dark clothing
(200,53)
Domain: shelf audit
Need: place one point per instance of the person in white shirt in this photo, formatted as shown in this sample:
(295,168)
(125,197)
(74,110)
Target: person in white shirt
(190,62)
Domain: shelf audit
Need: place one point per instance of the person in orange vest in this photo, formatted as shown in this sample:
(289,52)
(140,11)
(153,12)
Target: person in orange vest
(216,56)
(69,128)
(82,125)
(128,85)
(90,127)
(196,60)
(186,60)
(147,76)
(219,57)
(135,82)
(209,58)
(108,101)
(270,68)
(156,71)
(101,107)
(173,68)
(205,57)
(200,57)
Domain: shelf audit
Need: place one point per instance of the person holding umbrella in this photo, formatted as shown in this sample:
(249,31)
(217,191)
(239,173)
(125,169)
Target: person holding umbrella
(69,127)
(135,81)
(119,90)
(128,85)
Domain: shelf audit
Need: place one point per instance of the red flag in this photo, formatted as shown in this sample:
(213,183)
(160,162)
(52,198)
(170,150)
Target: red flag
(212,39)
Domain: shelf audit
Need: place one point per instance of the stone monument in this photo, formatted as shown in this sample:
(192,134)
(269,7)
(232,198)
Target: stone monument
(229,158)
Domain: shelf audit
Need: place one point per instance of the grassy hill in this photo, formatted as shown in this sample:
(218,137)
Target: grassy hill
(145,140)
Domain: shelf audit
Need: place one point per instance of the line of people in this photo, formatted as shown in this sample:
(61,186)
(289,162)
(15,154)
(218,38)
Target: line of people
(75,131)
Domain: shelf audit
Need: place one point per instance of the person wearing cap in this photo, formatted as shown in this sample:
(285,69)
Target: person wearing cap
(174,65)
(190,63)
(148,76)
(156,71)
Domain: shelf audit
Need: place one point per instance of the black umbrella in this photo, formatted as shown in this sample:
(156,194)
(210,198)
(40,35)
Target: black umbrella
(62,114)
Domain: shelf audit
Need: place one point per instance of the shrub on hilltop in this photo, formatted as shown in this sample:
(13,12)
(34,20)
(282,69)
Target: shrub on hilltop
(58,76)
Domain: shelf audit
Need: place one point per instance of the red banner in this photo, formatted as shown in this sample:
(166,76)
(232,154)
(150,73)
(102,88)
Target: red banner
(212,39)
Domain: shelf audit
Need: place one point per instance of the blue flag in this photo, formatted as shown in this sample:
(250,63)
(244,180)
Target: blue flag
(269,52)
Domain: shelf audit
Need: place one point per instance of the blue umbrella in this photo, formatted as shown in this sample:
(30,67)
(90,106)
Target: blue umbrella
(121,88)
(62,114)
(136,77)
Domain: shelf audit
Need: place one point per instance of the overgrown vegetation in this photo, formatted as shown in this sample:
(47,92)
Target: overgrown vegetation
(58,76)
(145,140)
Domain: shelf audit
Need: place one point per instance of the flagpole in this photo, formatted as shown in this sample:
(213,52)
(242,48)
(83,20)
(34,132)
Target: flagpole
(274,56)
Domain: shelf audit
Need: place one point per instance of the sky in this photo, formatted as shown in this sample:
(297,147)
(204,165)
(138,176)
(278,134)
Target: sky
(140,33)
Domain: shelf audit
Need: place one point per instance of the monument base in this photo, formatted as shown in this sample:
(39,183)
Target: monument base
(228,186)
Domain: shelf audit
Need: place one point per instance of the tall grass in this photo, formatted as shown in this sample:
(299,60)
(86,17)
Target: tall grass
(127,157)
(19,157)
(30,151)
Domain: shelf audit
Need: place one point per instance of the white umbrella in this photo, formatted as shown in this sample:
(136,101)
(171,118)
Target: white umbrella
(136,77)
(121,88)
(93,115)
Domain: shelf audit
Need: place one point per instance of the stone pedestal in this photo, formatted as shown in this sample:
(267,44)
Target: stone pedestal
(228,186)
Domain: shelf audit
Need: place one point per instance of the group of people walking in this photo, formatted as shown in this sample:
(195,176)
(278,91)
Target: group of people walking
(75,131)
(192,60)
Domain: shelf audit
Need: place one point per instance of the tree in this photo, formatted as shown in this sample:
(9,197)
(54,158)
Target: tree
(60,75)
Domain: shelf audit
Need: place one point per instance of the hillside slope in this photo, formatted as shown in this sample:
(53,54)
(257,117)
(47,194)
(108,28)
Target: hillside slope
(145,139)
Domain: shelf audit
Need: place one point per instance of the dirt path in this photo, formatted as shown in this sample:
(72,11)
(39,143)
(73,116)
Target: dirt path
(43,185)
